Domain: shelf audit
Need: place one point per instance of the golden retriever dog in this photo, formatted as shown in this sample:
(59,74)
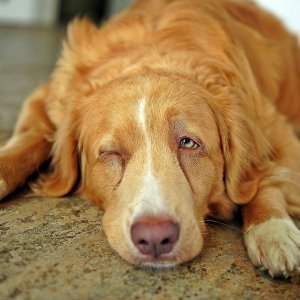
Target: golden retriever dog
(172,111)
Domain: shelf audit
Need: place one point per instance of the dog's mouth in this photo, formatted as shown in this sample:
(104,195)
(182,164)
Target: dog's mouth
(159,265)
(161,262)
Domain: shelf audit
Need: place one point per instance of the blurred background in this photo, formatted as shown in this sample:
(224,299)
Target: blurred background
(30,42)
(53,12)
(30,37)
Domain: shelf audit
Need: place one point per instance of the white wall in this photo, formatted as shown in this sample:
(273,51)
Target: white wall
(115,6)
(287,10)
(28,12)
(45,11)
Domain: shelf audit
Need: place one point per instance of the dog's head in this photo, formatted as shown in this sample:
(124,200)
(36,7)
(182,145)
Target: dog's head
(158,151)
(151,155)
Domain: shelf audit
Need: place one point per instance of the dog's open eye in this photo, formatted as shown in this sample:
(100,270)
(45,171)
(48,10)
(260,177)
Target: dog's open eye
(188,143)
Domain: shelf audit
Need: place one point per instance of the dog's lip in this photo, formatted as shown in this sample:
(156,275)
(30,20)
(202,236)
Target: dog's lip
(159,264)
(163,261)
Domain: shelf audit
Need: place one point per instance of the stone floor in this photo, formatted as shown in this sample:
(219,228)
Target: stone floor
(56,249)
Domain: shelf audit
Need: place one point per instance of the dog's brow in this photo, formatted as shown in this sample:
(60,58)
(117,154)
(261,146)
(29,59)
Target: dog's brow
(142,122)
(106,141)
(141,114)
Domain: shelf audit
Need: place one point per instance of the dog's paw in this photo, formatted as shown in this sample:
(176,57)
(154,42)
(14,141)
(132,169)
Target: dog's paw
(275,245)
(3,188)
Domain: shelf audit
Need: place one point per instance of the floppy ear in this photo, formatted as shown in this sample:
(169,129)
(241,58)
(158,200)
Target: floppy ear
(63,173)
(247,152)
(73,64)
(236,103)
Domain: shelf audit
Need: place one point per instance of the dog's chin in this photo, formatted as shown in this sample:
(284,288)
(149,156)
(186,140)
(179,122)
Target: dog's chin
(163,262)
(160,263)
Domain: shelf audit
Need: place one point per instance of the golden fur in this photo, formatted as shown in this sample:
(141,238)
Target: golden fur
(223,72)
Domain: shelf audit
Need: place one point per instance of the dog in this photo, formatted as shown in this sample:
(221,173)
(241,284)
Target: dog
(172,111)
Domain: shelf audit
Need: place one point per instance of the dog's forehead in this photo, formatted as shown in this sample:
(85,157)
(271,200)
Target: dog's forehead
(156,104)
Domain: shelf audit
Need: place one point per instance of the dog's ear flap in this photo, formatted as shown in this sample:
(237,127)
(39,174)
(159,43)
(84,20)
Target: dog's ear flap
(63,172)
(79,44)
(245,148)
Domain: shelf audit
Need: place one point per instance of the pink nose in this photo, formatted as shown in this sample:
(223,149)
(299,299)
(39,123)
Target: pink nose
(154,236)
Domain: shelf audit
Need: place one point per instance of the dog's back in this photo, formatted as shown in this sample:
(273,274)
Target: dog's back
(273,54)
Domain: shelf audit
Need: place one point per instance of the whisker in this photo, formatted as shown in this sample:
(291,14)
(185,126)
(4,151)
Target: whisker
(221,223)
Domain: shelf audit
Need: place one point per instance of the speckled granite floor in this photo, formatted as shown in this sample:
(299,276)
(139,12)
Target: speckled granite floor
(56,249)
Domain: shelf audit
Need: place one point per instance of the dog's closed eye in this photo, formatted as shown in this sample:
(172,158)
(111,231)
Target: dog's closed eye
(109,154)
(113,158)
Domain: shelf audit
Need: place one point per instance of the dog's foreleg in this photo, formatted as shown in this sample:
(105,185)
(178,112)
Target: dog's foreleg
(271,237)
(28,147)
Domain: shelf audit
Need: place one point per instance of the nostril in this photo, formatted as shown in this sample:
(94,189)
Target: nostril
(165,241)
(154,236)
(143,242)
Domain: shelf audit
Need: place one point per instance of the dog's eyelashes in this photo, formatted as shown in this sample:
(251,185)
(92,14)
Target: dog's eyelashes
(187,143)
(107,154)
